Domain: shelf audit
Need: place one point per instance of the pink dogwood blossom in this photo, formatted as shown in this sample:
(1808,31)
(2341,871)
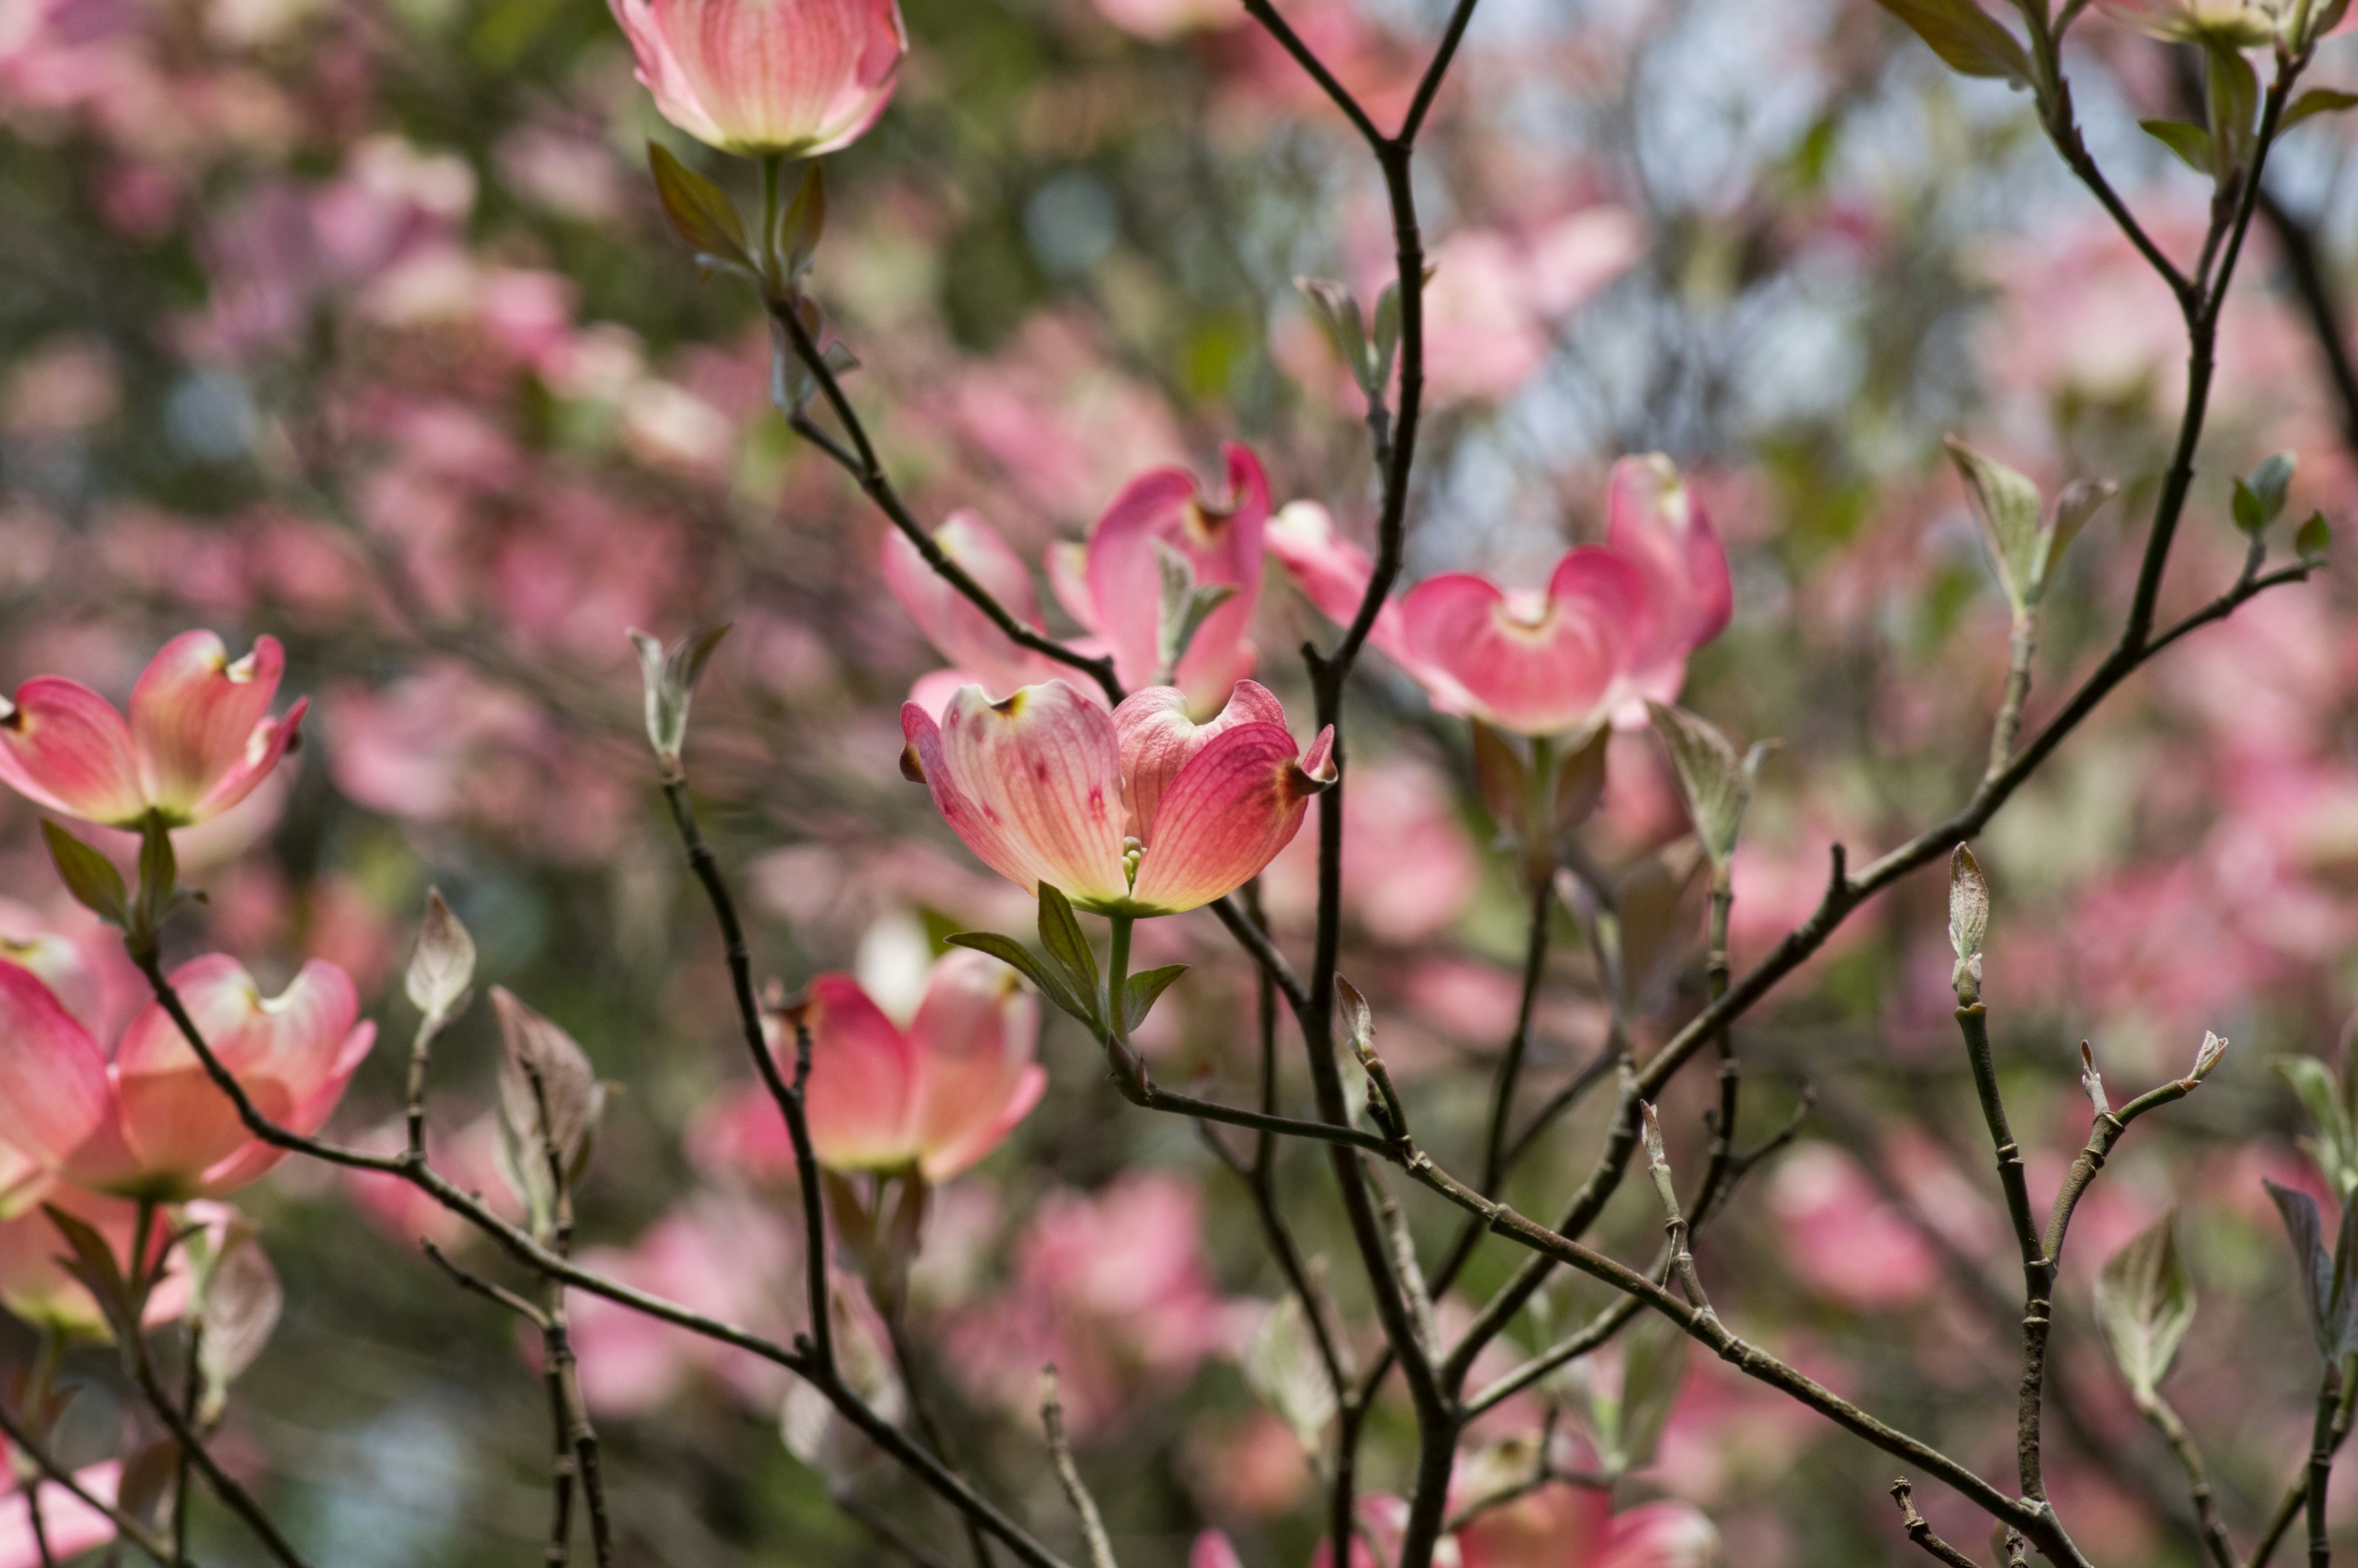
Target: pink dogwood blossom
(1141,811)
(35,1285)
(1613,627)
(792,78)
(978,652)
(1113,584)
(200,738)
(148,1122)
(937,1095)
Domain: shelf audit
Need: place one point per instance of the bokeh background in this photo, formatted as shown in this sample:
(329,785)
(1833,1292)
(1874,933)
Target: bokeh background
(357,323)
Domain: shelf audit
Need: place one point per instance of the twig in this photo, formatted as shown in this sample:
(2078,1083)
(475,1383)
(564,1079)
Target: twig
(2321,1466)
(1920,1529)
(2157,1411)
(235,1497)
(2296,1495)
(130,1528)
(1069,1475)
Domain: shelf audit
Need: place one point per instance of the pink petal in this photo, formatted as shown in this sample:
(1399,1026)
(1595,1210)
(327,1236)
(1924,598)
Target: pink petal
(272,739)
(284,1052)
(1068,580)
(974,1037)
(660,73)
(62,746)
(1222,541)
(1234,806)
(797,77)
(54,1100)
(1534,674)
(1658,524)
(1031,783)
(1158,737)
(71,1526)
(1659,1535)
(862,1074)
(310,1114)
(1212,1550)
(951,620)
(199,721)
(34,1283)
(1332,573)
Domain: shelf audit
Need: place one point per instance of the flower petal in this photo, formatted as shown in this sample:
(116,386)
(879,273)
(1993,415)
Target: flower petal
(949,620)
(1536,675)
(1656,523)
(1221,540)
(54,1100)
(64,747)
(198,722)
(1332,573)
(864,1071)
(1031,783)
(1234,806)
(974,1037)
(1158,737)
(1068,580)
(796,77)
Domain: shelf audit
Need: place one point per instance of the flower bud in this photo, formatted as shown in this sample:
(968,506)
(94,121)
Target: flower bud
(762,78)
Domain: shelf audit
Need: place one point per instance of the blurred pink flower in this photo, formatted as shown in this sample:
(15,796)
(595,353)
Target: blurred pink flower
(35,1285)
(1113,584)
(200,737)
(1841,1238)
(148,1122)
(1161,19)
(1408,864)
(1047,786)
(767,77)
(1614,626)
(1213,1550)
(980,653)
(937,1096)
(1114,1288)
(69,1526)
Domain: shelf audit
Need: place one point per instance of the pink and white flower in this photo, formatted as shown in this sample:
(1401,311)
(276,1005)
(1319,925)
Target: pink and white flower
(760,78)
(200,738)
(1613,627)
(1113,584)
(1138,812)
(937,1095)
(148,1122)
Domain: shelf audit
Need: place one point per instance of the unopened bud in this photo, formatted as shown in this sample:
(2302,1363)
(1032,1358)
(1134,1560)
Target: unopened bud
(1969,910)
(2092,1081)
(2207,1057)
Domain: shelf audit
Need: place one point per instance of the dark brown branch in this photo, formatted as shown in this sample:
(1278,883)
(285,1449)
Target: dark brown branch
(1920,1529)
(57,1475)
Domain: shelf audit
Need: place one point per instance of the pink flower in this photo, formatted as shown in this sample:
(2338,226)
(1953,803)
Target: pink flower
(980,652)
(200,738)
(1614,626)
(71,1526)
(35,1285)
(1141,811)
(938,1094)
(1113,584)
(795,77)
(1213,1550)
(150,1123)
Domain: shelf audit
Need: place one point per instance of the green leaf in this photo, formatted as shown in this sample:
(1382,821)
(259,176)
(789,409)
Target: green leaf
(699,211)
(1966,36)
(2006,504)
(2270,482)
(1969,905)
(1068,949)
(2233,103)
(2317,100)
(1501,779)
(95,1265)
(1580,783)
(2145,1304)
(1282,1365)
(2326,1278)
(2081,499)
(1715,783)
(1185,607)
(1140,992)
(89,876)
(802,224)
(1020,958)
(159,874)
(2316,537)
(2190,143)
(2251,514)
(669,677)
(1338,312)
(2335,1147)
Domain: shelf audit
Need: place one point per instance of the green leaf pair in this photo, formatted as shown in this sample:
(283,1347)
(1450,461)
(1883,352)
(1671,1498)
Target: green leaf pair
(2026,540)
(1068,975)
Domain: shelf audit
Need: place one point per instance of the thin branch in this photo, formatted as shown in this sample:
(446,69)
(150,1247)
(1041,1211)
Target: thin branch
(1920,1529)
(2297,1494)
(1069,1475)
(131,1530)
(2164,1419)
(224,1485)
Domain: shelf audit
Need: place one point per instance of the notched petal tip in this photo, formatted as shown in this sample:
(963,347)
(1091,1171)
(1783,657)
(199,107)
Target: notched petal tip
(1316,773)
(913,766)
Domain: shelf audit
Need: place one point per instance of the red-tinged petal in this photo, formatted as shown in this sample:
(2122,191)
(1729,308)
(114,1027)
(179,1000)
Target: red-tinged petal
(1125,575)
(1536,673)
(1158,737)
(1659,1535)
(1234,806)
(64,747)
(1657,524)
(54,1100)
(268,745)
(793,77)
(1031,783)
(197,720)
(310,1114)
(659,72)
(863,1071)
(1221,539)
(1212,1550)
(1555,1524)
(974,1037)
(951,620)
